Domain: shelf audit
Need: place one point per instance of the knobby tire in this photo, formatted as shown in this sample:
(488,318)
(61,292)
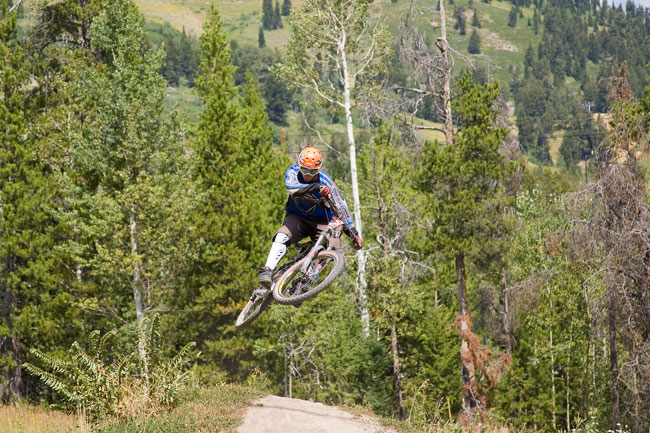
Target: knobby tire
(294,271)
(244,319)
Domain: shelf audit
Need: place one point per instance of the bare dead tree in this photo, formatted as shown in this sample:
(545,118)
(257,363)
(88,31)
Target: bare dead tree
(612,231)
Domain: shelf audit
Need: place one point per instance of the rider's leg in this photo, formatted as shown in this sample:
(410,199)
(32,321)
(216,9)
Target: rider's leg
(293,229)
(278,249)
(334,242)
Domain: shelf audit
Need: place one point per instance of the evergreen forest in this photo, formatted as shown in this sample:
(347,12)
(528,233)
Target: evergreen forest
(494,158)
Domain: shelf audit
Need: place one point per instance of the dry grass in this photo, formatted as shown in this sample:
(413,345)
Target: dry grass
(34,419)
(219,409)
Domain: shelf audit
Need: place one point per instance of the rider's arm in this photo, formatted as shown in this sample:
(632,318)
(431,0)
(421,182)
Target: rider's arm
(336,196)
(349,228)
(341,210)
(311,188)
(295,187)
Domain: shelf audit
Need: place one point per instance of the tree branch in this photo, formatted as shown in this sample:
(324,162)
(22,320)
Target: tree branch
(16,6)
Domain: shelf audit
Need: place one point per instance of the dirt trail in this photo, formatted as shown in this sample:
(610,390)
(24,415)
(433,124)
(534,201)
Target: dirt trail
(273,414)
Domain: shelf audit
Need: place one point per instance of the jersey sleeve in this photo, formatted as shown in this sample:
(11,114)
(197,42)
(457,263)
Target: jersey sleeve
(337,197)
(291,180)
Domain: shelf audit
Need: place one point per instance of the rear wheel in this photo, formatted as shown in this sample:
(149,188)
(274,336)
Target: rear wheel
(294,287)
(258,302)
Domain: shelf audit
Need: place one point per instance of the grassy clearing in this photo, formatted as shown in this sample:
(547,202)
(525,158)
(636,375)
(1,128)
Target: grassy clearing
(430,134)
(501,44)
(217,409)
(185,99)
(179,13)
(34,419)
(554,144)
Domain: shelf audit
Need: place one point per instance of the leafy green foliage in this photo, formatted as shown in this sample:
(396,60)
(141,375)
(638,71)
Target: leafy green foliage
(128,385)
(315,38)
(105,195)
(127,179)
(319,351)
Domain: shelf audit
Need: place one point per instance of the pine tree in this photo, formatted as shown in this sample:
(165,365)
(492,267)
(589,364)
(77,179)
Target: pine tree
(261,42)
(535,22)
(277,16)
(512,17)
(189,57)
(277,98)
(15,156)
(475,21)
(466,206)
(268,15)
(460,20)
(286,7)
(35,307)
(474,43)
(240,195)
(171,68)
(529,58)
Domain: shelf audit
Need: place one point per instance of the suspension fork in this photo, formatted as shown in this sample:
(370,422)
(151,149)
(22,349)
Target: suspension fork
(313,253)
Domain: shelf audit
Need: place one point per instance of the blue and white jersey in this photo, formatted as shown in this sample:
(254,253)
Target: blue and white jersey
(308,206)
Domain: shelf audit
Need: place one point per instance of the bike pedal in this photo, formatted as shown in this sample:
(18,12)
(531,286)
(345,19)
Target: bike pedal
(262,291)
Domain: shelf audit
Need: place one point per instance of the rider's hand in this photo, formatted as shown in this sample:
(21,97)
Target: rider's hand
(325,190)
(357,242)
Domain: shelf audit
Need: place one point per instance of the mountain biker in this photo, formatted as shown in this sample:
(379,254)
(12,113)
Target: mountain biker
(306,215)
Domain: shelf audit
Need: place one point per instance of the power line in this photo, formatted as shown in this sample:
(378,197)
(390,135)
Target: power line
(547,136)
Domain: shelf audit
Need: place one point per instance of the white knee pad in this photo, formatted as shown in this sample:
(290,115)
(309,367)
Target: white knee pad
(281,238)
(278,249)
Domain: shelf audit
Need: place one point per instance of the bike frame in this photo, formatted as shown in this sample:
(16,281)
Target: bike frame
(334,230)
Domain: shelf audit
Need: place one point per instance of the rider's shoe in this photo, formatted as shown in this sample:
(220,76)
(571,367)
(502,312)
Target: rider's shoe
(266,277)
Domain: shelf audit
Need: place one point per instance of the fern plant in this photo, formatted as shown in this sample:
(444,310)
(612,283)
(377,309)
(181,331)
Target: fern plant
(134,383)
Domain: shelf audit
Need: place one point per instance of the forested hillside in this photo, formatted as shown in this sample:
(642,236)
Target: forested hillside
(495,159)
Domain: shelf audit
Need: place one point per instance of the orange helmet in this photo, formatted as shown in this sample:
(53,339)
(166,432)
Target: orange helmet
(310,158)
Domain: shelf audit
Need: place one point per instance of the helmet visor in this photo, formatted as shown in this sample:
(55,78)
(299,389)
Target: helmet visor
(309,171)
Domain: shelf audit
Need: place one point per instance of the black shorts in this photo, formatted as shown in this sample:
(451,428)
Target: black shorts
(298,228)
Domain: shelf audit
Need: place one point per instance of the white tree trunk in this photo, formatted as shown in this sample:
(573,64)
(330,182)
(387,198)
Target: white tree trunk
(361,256)
(550,342)
(137,290)
(443,46)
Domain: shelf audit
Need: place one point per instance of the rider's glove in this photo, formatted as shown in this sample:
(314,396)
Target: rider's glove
(357,242)
(325,190)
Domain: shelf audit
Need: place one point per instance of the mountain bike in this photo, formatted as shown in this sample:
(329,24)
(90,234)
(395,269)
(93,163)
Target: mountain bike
(316,265)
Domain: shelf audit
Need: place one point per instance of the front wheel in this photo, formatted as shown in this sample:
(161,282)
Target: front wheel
(294,287)
(258,302)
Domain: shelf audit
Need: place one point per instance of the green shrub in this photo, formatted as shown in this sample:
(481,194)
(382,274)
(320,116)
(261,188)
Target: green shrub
(139,382)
